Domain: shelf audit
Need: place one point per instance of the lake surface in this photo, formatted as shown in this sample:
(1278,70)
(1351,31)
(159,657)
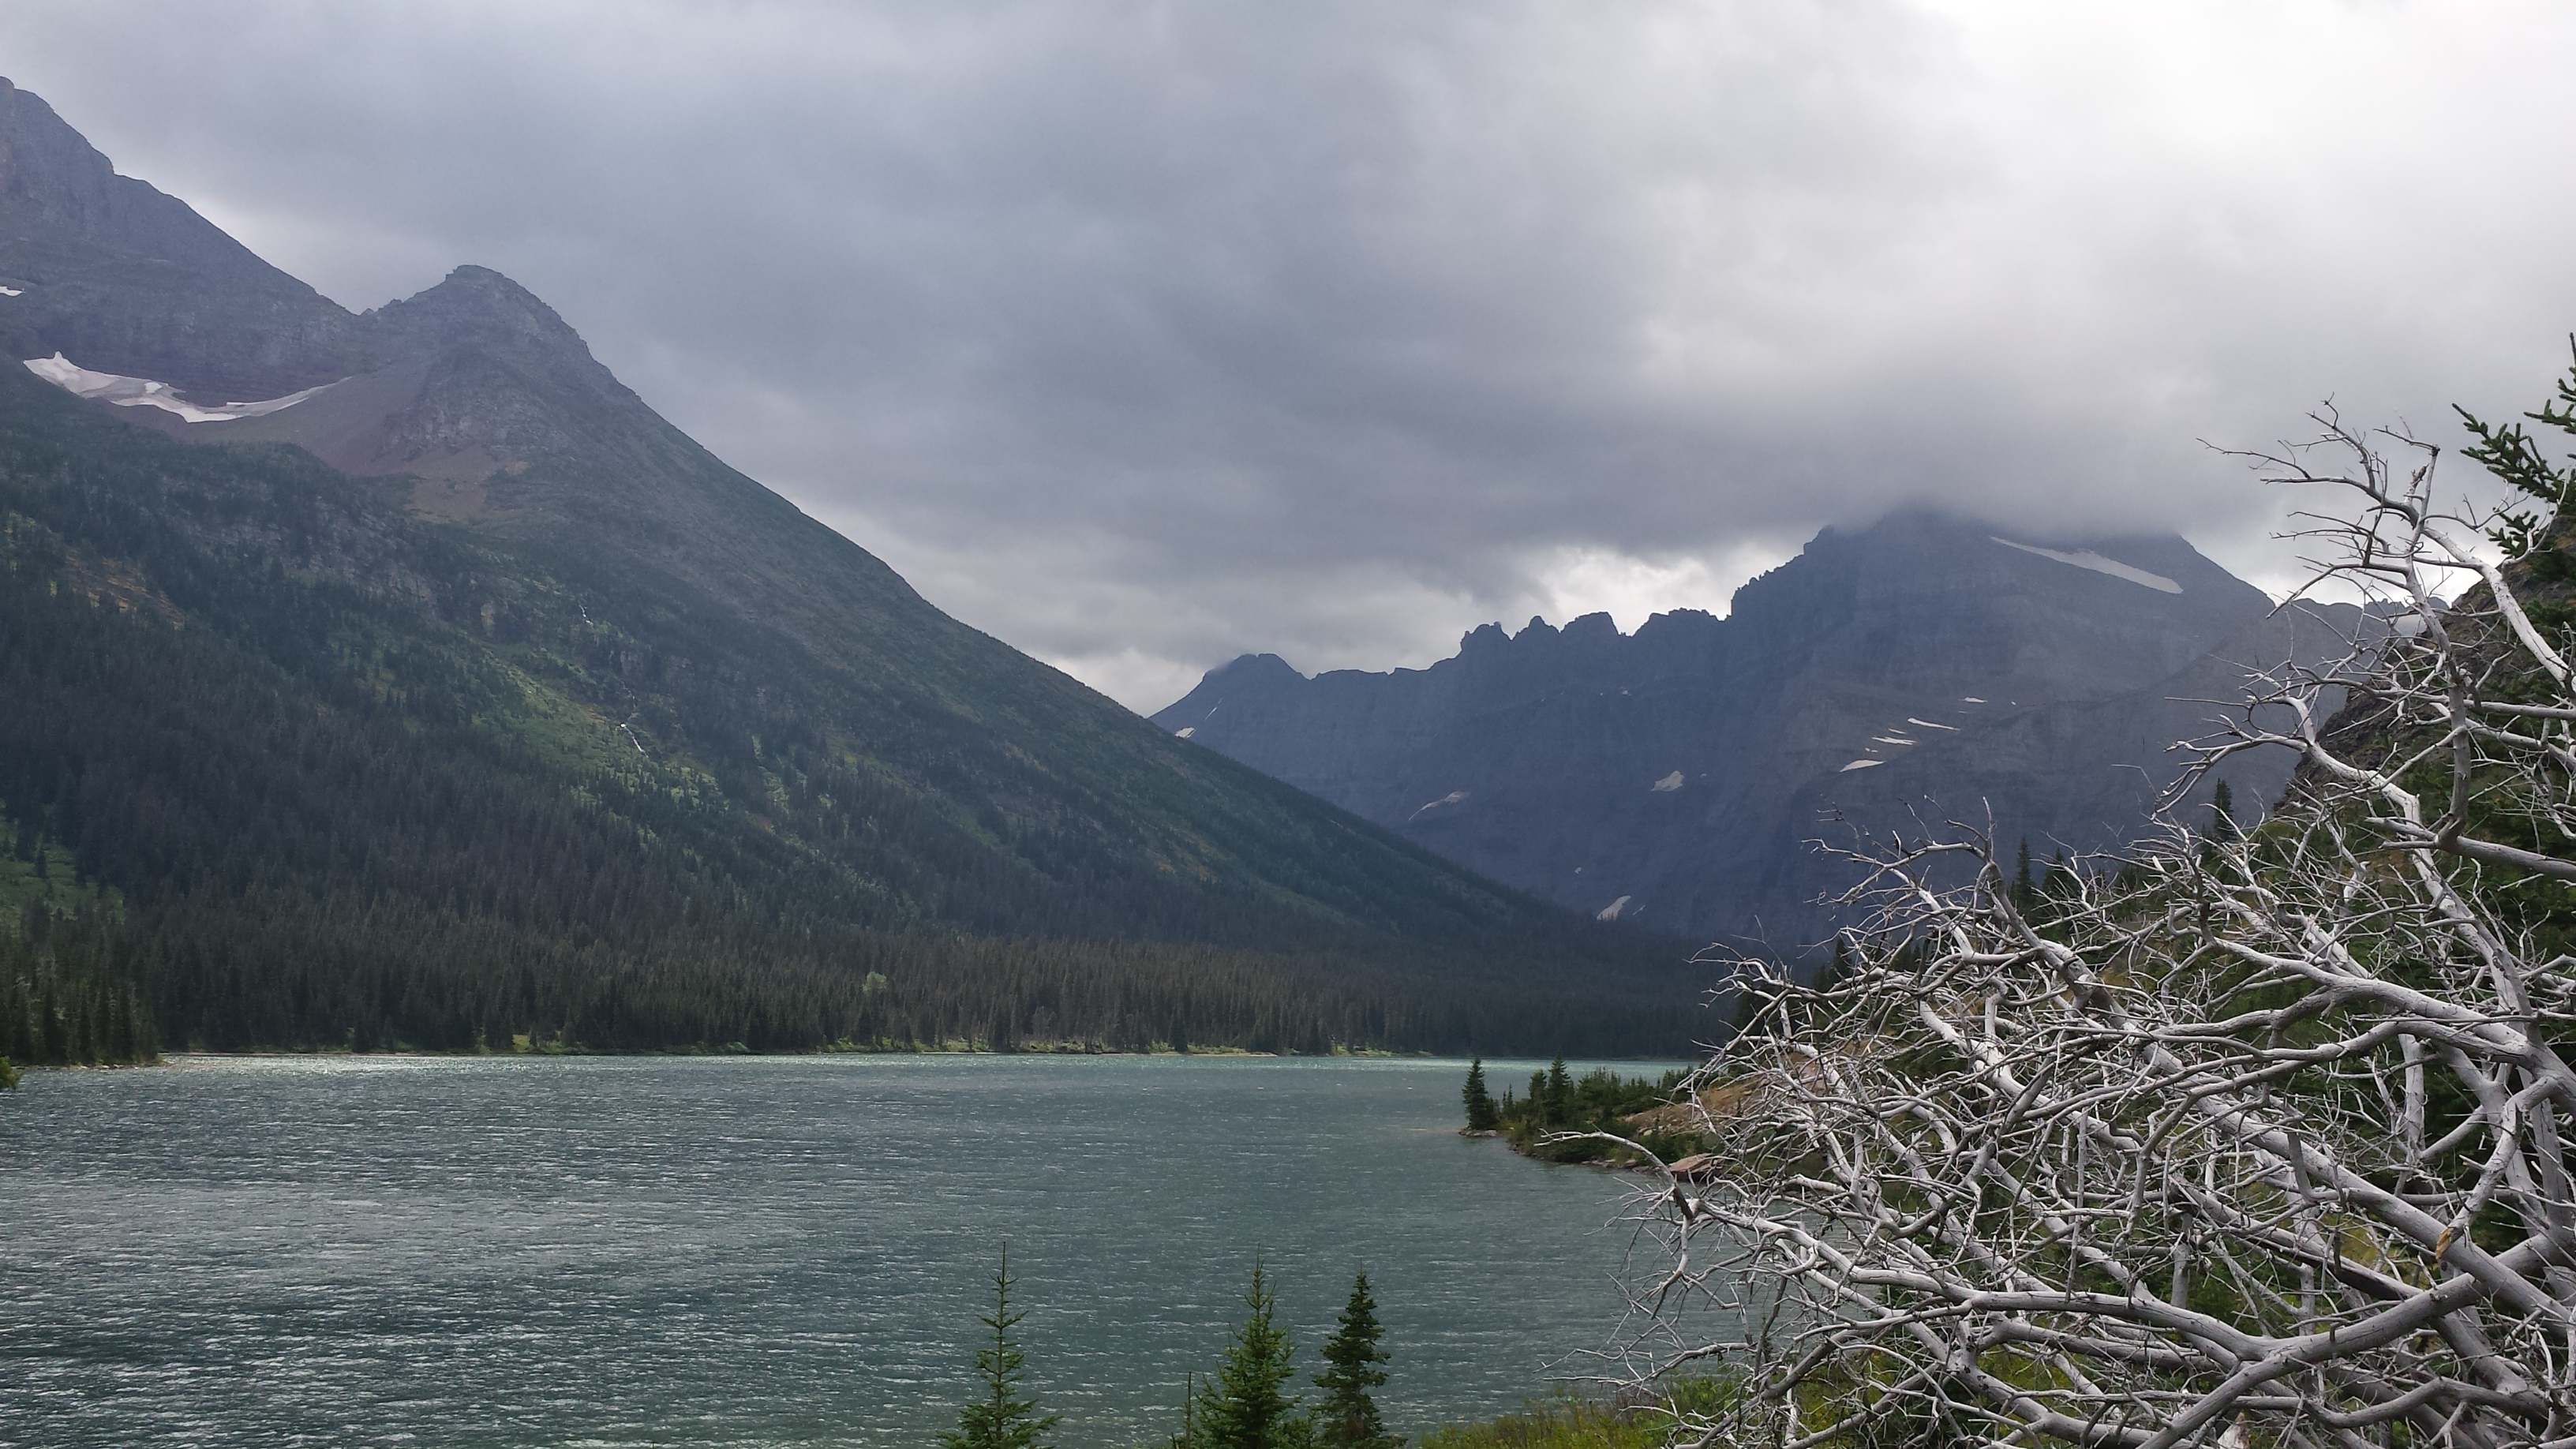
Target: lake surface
(615,1251)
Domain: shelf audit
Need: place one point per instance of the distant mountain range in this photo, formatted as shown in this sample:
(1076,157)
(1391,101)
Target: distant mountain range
(1895,678)
(452,696)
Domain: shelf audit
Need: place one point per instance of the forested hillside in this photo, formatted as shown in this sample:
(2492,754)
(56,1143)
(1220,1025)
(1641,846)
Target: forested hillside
(322,772)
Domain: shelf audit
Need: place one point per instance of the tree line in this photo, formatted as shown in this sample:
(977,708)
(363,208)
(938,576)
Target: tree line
(66,999)
(1565,1118)
(1247,1402)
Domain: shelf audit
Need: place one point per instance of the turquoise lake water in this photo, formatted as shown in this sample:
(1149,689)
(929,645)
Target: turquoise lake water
(640,1251)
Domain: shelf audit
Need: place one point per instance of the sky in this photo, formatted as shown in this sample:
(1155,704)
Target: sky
(1141,335)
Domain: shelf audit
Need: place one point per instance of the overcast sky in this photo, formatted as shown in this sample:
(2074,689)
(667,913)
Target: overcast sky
(1141,335)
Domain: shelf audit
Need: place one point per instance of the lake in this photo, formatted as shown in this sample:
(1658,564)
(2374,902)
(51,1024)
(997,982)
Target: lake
(751,1251)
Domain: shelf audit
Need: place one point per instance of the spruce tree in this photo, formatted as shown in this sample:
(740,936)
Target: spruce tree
(1481,1116)
(1248,1406)
(2022,894)
(1001,1419)
(2222,813)
(1558,1110)
(1348,1417)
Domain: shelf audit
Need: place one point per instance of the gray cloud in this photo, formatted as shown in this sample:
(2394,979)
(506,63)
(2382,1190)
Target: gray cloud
(1141,334)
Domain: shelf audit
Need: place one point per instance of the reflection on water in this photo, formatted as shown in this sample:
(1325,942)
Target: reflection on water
(750,1251)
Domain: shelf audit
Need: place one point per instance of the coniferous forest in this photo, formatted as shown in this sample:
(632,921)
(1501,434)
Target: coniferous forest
(283,765)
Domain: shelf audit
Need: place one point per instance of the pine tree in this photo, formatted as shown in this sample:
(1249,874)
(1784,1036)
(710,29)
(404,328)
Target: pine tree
(1248,1407)
(1481,1116)
(1003,1419)
(2022,894)
(2222,813)
(1558,1109)
(1188,1438)
(1348,1417)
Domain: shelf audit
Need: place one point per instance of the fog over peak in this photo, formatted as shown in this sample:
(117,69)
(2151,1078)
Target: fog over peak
(1143,335)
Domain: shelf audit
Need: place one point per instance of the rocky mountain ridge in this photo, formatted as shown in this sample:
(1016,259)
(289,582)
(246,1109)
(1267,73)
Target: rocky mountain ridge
(1923,670)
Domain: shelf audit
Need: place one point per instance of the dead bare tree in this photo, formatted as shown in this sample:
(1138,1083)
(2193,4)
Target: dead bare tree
(2252,1139)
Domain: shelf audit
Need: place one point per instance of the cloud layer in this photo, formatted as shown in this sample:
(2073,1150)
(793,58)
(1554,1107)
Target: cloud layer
(1141,334)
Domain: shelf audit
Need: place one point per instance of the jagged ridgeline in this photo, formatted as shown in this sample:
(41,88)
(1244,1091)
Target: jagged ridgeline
(468,704)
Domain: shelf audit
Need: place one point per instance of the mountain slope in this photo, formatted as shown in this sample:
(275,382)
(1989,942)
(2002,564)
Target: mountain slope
(132,281)
(536,716)
(1890,678)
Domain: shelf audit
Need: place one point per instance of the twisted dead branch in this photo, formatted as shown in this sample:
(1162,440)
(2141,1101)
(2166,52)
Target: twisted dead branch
(2244,1138)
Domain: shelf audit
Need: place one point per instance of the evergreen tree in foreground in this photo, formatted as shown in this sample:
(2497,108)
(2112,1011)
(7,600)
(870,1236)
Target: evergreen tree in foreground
(1348,1417)
(1558,1108)
(1002,1420)
(1248,1406)
(1481,1116)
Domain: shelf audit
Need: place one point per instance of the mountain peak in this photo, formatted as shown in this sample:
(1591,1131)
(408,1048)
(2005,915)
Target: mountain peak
(1926,656)
(51,178)
(1245,668)
(479,305)
(124,279)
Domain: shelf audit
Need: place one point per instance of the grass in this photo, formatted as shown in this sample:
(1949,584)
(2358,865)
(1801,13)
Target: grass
(1570,1422)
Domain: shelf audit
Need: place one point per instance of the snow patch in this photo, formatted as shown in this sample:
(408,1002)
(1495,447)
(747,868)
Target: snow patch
(143,392)
(2085,558)
(1970,699)
(1672,781)
(1891,740)
(11,292)
(1858,765)
(1184,732)
(1929,725)
(1452,798)
(1611,911)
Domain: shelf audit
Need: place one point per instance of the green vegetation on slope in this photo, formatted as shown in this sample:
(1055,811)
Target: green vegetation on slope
(334,775)
(1569,1422)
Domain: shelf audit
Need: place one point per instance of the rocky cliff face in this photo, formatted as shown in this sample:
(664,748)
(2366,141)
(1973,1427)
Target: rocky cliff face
(1919,671)
(128,280)
(472,377)
(487,406)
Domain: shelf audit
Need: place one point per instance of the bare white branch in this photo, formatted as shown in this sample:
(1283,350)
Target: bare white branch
(2251,1140)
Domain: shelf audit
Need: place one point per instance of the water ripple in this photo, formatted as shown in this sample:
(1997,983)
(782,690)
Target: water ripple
(746,1252)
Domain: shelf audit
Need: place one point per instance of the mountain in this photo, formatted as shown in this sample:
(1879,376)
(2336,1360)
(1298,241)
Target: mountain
(1892,678)
(403,677)
(131,281)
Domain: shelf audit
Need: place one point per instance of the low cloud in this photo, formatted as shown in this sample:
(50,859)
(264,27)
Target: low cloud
(1141,334)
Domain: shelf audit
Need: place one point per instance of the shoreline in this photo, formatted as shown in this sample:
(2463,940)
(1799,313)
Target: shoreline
(343,1053)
